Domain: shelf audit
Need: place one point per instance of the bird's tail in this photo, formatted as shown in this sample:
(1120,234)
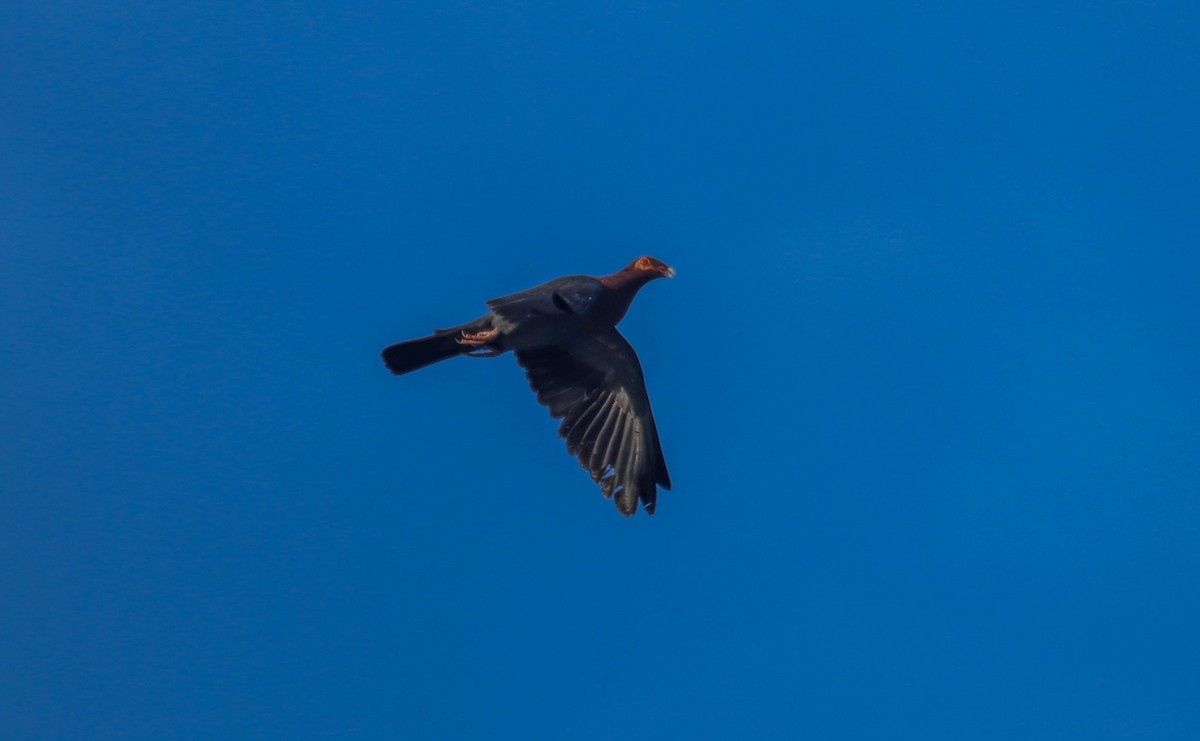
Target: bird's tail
(405,357)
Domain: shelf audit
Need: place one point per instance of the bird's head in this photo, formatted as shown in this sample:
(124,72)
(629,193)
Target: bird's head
(652,265)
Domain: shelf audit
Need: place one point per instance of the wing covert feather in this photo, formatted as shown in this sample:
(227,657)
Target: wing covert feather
(572,295)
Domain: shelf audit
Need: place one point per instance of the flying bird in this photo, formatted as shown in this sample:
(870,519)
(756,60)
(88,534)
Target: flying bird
(564,334)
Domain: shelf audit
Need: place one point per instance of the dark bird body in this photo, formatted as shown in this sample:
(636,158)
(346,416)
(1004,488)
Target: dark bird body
(564,335)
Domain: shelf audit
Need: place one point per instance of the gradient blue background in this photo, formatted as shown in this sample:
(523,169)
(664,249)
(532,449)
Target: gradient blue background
(926,381)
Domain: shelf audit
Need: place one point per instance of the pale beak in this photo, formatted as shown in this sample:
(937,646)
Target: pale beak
(668,272)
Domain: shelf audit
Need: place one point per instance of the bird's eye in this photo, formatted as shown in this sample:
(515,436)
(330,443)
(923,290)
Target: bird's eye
(643,263)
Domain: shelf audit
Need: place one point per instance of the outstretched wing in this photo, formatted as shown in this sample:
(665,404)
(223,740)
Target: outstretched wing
(594,383)
(573,295)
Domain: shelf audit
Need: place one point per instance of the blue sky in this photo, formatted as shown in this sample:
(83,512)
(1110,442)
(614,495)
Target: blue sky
(926,381)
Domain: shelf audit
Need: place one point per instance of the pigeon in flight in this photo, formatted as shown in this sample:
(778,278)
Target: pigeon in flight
(564,334)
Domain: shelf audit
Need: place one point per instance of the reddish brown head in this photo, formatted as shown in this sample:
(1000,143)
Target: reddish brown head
(651,267)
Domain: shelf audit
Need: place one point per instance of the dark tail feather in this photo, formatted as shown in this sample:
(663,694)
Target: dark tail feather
(405,357)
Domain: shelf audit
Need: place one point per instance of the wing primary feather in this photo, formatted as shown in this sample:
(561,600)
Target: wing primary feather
(579,412)
(598,419)
(585,439)
(623,473)
(596,462)
(635,472)
(576,421)
(615,439)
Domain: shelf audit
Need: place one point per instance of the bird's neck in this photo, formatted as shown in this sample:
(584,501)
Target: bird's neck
(622,287)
